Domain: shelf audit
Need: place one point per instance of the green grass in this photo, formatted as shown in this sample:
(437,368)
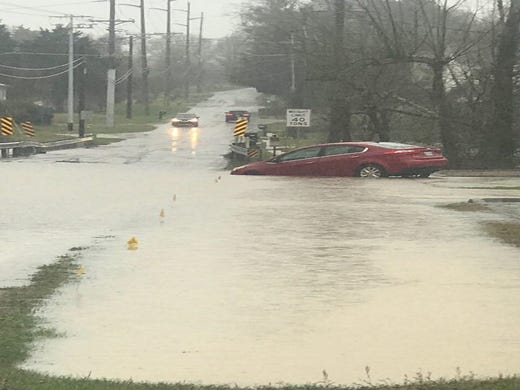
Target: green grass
(19,326)
(508,232)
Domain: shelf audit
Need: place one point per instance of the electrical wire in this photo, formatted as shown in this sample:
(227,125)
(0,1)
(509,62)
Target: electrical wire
(39,77)
(53,54)
(124,77)
(39,69)
(15,7)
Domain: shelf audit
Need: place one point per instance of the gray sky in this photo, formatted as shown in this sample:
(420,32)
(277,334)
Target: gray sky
(220,16)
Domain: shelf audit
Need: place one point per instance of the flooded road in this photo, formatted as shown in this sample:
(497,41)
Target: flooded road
(257,280)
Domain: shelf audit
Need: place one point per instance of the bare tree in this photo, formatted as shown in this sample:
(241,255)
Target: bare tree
(427,37)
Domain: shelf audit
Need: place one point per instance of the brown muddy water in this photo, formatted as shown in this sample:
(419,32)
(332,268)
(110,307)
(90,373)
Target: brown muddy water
(257,280)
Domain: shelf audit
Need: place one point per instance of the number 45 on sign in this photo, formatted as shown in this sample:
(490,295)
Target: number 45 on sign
(298,117)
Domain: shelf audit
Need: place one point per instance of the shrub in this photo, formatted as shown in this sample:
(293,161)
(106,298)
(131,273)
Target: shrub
(25,111)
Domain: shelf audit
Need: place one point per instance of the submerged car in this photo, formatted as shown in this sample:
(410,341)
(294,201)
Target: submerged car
(363,159)
(185,119)
(233,115)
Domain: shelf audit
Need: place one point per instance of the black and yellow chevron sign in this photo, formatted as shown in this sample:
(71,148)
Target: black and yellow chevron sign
(28,128)
(240,127)
(253,153)
(6,124)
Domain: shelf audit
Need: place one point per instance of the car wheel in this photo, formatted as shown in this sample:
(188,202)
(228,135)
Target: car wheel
(371,170)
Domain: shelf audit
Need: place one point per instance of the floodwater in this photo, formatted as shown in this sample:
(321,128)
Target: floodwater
(256,280)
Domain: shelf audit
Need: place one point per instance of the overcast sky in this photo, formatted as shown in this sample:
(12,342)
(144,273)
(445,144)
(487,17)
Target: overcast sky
(220,16)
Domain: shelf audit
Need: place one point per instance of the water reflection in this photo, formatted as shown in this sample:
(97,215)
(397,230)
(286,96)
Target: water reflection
(194,138)
(174,135)
(179,136)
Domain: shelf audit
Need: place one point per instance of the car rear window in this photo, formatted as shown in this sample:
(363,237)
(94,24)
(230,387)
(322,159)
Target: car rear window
(395,145)
(186,116)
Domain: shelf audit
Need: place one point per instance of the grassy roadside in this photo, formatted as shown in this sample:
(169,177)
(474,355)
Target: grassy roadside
(508,232)
(96,122)
(505,231)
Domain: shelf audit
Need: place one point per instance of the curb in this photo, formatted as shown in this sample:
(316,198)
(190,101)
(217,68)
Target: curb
(481,172)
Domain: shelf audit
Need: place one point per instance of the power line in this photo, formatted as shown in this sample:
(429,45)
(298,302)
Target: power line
(16,7)
(39,77)
(46,11)
(124,77)
(51,54)
(36,69)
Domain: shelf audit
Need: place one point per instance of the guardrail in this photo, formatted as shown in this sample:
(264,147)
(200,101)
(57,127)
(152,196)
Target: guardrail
(25,148)
(243,152)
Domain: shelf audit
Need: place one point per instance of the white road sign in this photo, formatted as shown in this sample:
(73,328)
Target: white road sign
(298,117)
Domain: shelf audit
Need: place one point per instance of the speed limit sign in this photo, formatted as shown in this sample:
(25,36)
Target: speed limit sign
(298,117)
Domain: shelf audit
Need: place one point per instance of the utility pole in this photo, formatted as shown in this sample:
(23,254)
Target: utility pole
(70,92)
(199,67)
(111,73)
(187,60)
(144,63)
(167,89)
(339,129)
(129,79)
(168,52)
(293,76)
(187,64)
(70,95)
(81,98)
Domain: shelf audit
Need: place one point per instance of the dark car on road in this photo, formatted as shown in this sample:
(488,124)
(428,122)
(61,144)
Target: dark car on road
(233,115)
(363,159)
(185,119)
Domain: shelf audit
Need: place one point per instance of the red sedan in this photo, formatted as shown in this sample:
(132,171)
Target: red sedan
(364,159)
(233,115)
